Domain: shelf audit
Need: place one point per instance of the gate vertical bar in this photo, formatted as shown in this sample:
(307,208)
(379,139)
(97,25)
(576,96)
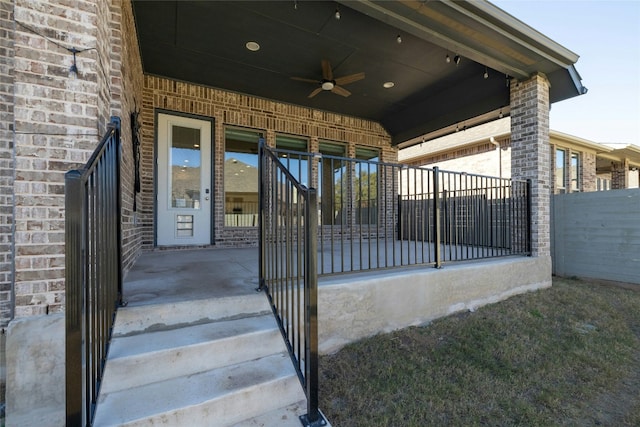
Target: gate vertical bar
(313,417)
(528,218)
(74,313)
(118,202)
(436,217)
(261,231)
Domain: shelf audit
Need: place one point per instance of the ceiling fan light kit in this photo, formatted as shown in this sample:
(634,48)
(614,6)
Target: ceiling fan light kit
(328,83)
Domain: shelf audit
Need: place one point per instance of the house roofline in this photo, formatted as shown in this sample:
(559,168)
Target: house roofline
(491,37)
(630,151)
(575,140)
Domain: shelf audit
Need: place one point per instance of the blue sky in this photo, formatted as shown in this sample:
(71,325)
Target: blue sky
(606,35)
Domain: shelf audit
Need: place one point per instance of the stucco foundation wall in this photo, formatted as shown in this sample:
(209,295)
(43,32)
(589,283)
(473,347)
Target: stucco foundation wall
(597,235)
(35,372)
(350,309)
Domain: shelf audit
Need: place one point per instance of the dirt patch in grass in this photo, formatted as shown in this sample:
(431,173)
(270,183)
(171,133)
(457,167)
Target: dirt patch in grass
(568,355)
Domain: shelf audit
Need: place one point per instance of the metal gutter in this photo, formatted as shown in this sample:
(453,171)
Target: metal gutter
(516,30)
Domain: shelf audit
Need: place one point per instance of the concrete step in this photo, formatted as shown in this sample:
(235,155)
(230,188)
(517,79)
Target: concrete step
(140,318)
(220,397)
(157,356)
(288,416)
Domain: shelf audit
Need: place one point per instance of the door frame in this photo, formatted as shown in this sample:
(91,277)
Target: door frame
(211,121)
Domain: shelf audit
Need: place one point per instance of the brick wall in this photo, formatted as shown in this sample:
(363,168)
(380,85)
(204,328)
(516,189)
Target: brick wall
(59,119)
(6,160)
(530,153)
(619,175)
(126,98)
(55,130)
(483,159)
(228,108)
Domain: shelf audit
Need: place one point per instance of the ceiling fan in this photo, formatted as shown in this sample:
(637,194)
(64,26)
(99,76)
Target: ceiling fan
(328,83)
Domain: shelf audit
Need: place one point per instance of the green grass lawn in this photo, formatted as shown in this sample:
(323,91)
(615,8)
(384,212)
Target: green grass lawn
(568,355)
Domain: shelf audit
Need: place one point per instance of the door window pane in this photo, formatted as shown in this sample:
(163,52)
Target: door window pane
(241,177)
(186,172)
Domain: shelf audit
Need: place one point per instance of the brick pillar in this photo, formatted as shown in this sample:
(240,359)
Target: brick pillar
(620,175)
(588,177)
(530,153)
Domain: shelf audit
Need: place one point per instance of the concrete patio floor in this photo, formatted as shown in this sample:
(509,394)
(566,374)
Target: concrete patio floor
(169,276)
(174,275)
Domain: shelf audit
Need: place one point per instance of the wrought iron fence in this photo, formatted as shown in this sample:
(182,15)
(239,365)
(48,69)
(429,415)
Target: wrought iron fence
(375,215)
(288,268)
(451,216)
(92,272)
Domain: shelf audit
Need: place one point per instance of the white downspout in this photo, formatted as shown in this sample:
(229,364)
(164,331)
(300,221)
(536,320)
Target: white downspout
(497,144)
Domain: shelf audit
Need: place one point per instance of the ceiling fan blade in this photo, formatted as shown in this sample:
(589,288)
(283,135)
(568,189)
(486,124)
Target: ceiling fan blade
(303,79)
(349,79)
(339,90)
(315,92)
(327,72)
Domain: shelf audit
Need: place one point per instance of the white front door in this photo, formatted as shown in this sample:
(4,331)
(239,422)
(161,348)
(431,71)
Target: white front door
(184,193)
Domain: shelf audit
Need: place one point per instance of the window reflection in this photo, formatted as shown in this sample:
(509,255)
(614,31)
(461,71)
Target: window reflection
(185,168)
(241,177)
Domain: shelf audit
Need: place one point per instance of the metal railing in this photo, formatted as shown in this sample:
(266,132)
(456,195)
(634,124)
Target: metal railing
(288,268)
(92,272)
(241,214)
(375,215)
(454,216)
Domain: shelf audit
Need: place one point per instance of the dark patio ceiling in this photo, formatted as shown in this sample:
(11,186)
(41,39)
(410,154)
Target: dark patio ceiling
(204,42)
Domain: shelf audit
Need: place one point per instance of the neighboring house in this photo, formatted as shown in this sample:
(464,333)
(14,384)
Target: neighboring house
(578,164)
(197,85)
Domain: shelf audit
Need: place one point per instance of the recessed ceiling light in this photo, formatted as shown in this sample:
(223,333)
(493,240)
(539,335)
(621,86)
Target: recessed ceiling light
(388,85)
(253,46)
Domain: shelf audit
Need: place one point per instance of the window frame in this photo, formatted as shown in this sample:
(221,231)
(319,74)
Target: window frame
(560,166)
(260,134)
(371,221)
(338,215)
(574,170)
